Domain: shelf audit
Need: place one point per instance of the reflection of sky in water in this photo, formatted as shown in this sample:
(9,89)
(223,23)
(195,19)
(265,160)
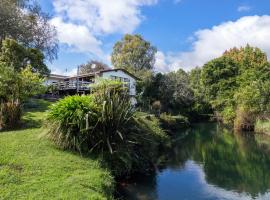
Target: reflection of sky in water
(189,183)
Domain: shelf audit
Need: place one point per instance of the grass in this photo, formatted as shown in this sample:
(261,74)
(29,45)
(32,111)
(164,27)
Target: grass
(31,167)
(263,127)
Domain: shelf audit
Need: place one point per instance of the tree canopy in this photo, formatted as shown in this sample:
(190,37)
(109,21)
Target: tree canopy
(92,66)
(19,57)
(23,21)
(238,79)
(134,53)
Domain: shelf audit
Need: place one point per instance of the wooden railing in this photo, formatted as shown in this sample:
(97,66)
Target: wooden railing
(72,85)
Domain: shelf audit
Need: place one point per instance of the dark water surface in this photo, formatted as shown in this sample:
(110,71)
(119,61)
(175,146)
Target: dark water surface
(207,162)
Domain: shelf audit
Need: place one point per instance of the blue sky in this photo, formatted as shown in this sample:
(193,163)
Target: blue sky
(187,33)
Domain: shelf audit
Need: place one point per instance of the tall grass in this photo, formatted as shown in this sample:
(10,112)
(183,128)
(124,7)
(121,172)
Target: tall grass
(10,115)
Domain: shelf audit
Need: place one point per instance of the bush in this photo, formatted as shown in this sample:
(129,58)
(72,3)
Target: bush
(10,115)
(104,123)
(67,122)
(172,123)
(245,120)
(262,126)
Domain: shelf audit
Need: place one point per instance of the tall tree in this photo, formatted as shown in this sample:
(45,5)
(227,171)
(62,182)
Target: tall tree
(18,57)
(228,81)
(92,66)
(134,53)
(23,21)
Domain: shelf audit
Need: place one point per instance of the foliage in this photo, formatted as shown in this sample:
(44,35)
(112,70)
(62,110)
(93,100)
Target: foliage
(103,123)
(10,115)
(262,126)
(171,89)
(172,123)
(24,22)
(18,86)
(14,89)
(67,119)
(134,54)
(237,80)
(18,57)
(29,163)
(200,104)
(156,106)
(92,67)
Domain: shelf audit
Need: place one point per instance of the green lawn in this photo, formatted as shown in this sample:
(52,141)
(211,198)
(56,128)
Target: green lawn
(31,167)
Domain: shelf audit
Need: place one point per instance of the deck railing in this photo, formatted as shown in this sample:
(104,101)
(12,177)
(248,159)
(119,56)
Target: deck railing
(72,85)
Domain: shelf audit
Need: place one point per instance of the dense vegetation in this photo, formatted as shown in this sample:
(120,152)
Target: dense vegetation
(19,80)
(24,21)
(237,85)
(105,123)
(234,88)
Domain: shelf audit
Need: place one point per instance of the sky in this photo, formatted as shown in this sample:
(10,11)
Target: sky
(186,33)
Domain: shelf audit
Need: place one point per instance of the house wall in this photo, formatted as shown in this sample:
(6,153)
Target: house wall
(121,74)
(51,80)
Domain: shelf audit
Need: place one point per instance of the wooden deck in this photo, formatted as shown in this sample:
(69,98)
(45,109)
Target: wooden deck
(72,85)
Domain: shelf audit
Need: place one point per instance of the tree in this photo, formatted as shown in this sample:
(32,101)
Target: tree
(23,21)
(176,93)
(237,80)
(92,66)
(200,106)
(134,53)
(15,88)
(18,57)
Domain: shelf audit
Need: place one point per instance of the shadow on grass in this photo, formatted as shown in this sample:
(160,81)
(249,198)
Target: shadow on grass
(34,114)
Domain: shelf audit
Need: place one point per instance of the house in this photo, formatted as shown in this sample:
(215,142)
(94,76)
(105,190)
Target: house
(68,85)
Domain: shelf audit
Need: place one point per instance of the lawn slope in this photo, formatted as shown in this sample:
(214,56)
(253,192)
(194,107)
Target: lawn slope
(31,167)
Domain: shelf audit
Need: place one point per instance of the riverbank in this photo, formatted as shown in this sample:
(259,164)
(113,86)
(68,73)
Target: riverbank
(32,167)
(262,127)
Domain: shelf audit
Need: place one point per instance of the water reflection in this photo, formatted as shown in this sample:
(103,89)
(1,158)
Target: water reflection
(210,162)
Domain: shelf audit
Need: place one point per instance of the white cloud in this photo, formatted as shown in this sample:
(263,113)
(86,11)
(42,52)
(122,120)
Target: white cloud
(77,37)
(211,43)
(243,8)
(81,22)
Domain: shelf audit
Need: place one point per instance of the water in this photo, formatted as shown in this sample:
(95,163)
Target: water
(207,162)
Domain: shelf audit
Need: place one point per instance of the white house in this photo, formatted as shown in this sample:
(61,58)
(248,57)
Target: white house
(82,83)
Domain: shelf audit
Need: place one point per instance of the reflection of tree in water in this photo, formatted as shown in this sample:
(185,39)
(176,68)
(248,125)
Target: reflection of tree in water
(141,186)
(232,161)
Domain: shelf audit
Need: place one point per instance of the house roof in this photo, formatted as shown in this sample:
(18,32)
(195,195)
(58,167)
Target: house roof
(94,73)
(124,70)
(57,76)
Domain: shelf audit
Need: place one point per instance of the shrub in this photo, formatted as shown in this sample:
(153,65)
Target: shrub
(156,106)
(10,115)
(67,122)
(172,123)
(245,120)
(104,123)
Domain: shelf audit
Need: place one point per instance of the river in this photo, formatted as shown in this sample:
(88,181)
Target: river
(207,162)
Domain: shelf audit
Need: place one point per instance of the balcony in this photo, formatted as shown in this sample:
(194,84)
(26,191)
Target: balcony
(72,85)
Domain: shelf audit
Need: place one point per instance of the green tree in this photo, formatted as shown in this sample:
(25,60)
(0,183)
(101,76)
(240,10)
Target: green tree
(18,57)
(23,21)
(135,54)
(237,80)
(175,93)
(200,105)
(15,88)
(92,66)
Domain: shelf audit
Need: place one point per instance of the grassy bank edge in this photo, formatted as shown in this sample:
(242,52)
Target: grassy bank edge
(32,167)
